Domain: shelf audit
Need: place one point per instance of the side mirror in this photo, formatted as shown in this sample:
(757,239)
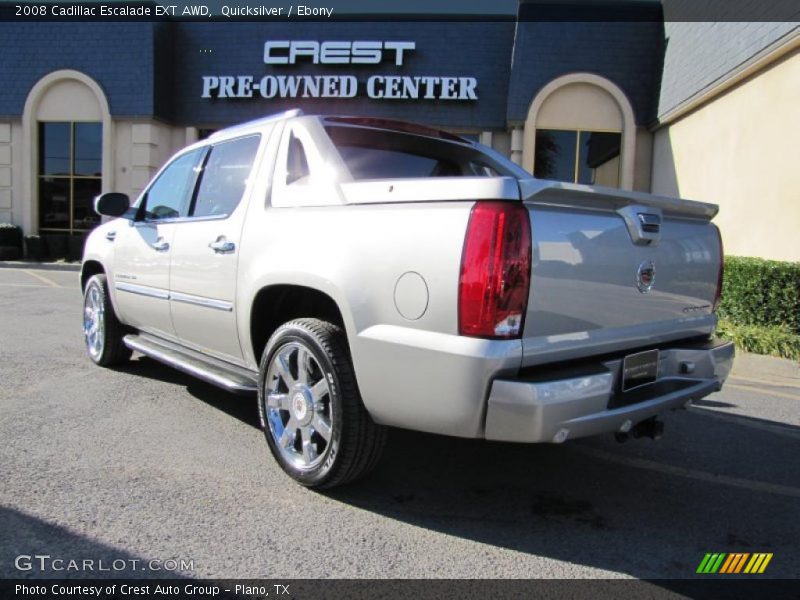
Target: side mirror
(112,204)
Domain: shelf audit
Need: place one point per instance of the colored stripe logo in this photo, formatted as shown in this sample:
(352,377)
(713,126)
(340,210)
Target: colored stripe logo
(734,563)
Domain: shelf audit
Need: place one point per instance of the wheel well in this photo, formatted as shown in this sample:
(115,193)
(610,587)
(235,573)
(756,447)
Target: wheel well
(89,269)
(277,304)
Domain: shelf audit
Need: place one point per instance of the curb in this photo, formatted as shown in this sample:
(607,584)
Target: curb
(766,370)
(45,266)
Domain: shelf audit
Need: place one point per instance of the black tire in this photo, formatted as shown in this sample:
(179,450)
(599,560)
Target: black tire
(355,442)
(109,348)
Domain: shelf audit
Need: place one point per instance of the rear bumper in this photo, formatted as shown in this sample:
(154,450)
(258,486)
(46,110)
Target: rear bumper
(584,400)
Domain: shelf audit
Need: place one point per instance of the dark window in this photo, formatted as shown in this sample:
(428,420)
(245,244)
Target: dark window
(55,199)
(225,177)
(297,169)
(70,169)
(590,157)
(380,154)
(168,196)
(88,149)
(54,149)
(599,158)
(555,154)
(84,191)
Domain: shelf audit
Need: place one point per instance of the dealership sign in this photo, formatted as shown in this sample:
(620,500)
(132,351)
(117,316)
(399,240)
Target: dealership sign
(380,86)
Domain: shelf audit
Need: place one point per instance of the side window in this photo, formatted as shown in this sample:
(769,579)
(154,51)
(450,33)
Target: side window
(297,170)
(482,170)
(168,197)
(225,176)
(306,168)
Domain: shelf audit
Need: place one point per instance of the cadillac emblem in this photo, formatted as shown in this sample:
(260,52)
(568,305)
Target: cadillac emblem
(646,276)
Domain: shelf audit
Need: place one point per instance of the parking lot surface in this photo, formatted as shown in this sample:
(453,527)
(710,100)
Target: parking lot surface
(143,462)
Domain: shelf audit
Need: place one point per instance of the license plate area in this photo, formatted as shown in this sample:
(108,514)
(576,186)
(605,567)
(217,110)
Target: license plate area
(639,369)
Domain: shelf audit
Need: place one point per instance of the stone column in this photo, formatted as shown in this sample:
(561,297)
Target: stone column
(516,145)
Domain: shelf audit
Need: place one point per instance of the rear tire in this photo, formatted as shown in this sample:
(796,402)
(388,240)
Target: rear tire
(314,419)
(102,331)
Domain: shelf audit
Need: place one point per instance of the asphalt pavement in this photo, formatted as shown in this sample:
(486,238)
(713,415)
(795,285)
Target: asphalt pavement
(143,463)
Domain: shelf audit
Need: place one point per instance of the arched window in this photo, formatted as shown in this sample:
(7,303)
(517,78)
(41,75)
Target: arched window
(580,129)
(66,127)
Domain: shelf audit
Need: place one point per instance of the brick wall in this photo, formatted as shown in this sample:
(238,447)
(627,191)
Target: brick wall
(628,53)
(119,56)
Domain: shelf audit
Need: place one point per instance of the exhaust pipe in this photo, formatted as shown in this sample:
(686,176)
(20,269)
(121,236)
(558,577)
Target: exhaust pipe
(652,428)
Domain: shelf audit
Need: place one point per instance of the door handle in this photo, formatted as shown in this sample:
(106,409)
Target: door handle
(222,246)
(160,245)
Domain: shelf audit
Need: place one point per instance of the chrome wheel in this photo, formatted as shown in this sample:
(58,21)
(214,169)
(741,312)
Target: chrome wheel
(298,405)
(94,322)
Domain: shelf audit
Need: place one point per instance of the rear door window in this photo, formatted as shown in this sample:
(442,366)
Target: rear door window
(225,176)
(297,169)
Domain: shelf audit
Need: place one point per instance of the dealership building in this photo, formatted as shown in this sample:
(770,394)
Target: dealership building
(700,110)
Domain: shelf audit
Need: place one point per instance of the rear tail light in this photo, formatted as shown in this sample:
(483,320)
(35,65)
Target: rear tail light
(495,271)
(718,293)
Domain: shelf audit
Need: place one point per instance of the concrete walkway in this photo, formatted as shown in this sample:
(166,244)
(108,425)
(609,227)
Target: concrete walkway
(758,370)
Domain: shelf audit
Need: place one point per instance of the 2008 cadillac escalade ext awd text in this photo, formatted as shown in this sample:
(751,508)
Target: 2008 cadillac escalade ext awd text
(358,273)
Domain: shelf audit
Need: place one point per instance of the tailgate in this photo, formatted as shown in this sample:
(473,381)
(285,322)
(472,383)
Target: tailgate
(614,270)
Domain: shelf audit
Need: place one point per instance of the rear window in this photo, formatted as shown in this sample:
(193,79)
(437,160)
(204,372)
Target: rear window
(376,154)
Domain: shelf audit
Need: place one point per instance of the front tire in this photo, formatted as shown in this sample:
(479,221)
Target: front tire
(102,331)
(314,420)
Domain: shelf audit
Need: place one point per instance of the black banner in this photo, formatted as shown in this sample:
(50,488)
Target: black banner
(364,10)
(412,589)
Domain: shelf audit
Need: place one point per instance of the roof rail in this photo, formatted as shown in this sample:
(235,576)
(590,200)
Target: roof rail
(295,112)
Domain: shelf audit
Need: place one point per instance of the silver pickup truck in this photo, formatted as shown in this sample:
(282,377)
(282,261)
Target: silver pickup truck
(358,273)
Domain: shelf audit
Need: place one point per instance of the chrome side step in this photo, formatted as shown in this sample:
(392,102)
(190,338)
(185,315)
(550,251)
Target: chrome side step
(216,372)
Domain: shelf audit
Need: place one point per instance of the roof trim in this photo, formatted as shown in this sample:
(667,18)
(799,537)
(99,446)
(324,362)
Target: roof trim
(772,53)
(256,123)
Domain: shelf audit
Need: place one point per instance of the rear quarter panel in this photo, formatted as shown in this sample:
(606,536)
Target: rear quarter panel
(412,372)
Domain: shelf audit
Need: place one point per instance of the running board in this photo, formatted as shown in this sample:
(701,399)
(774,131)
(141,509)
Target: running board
(227,376)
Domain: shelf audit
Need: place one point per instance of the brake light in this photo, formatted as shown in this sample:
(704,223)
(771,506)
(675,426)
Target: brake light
(718,293)
(495,271)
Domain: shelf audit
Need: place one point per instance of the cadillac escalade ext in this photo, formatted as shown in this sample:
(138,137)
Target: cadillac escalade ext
(357,273)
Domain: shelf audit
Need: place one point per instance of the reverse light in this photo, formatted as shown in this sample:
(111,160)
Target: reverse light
(495,271)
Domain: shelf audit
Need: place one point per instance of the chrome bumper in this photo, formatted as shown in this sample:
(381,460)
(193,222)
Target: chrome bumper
(585,400)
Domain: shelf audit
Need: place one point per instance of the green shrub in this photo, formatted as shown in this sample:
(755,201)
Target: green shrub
(763,293)
(773,340)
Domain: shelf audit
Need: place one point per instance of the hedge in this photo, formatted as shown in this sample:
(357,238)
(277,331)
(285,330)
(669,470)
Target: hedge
(773,340)
(10,235)
(762,293)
